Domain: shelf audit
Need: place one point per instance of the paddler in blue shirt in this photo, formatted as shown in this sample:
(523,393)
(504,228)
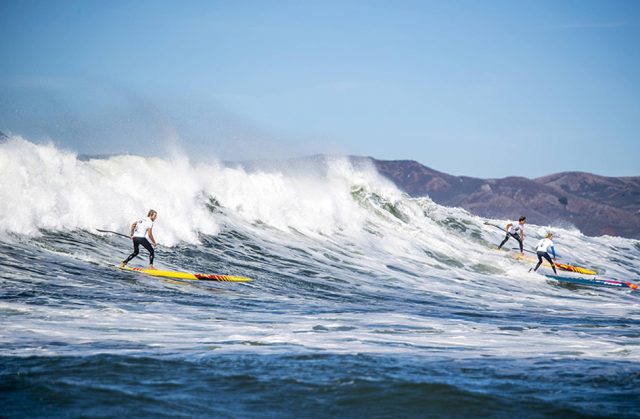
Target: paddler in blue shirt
(516,231)
(542,250)
(139,231)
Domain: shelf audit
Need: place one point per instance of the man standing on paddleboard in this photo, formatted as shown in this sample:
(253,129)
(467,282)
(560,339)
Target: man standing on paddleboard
(542,250)
(516,231)
(139,231)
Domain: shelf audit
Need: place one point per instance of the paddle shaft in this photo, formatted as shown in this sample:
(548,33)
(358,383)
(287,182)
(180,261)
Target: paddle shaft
(526,250)
(113,232)
(119,234)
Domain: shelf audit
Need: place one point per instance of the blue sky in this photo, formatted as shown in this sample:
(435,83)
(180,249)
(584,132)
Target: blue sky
(477,88)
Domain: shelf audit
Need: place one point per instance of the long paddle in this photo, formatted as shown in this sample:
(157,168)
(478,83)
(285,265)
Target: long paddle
(526,250)
(493,225)
(120,234)
(112,232)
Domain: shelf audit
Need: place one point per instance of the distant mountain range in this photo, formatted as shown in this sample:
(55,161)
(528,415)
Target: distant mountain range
(596,205)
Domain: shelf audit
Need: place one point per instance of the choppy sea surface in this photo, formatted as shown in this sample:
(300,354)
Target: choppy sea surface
(364,302)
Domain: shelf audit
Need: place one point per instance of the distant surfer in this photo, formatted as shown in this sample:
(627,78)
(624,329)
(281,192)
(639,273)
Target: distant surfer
(542,250)
(139,231)
(516,231)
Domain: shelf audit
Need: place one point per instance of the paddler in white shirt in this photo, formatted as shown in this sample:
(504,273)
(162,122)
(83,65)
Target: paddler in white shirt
(542,250)
(139,231)
(516,231)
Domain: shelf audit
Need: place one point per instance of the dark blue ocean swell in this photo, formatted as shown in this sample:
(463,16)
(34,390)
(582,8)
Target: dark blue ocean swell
(323,330)
(314,385)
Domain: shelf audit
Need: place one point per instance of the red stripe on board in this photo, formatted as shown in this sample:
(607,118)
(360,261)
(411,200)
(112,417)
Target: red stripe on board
(211,276)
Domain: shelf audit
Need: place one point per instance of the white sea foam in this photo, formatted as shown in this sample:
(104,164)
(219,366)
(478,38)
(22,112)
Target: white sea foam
(44,187)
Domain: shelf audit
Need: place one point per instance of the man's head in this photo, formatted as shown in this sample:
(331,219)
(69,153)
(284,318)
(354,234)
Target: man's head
(152,214)
(549,235)
(522,219)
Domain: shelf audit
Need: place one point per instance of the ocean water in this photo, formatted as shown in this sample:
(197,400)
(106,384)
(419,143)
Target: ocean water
(364,302)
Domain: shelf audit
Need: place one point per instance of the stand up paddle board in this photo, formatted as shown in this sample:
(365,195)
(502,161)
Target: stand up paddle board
(186,275)
(562,266)
(594,282)
(576,269)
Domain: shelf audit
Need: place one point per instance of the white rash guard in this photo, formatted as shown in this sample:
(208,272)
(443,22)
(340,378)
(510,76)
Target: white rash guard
(142,227)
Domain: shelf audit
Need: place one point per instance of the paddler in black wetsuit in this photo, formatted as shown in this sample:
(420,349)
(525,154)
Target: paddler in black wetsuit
(517,232)
(542,251)
(138,233)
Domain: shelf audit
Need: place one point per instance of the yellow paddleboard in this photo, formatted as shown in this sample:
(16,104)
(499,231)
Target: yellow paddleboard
(187,275)
(562,266)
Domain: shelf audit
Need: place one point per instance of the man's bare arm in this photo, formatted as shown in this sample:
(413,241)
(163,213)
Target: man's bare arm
(153,239)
